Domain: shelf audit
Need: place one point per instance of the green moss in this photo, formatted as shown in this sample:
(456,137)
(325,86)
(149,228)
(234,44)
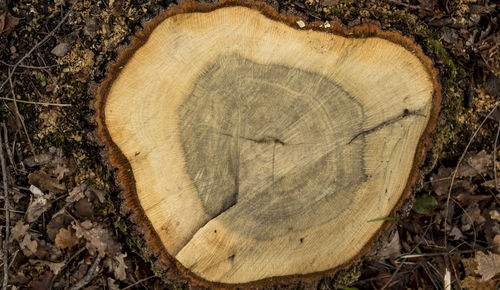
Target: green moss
(442,56)
(448,140)
(56,139)
(342,279)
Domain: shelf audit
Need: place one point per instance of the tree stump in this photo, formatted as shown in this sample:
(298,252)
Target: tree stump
(256,148)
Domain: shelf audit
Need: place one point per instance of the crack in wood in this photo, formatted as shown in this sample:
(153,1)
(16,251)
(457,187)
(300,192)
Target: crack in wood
(400,117)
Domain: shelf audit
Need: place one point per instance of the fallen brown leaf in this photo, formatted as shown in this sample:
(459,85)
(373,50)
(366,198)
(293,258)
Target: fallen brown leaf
(76,194)
(18,231)
(7,21)
(59,220)
(43,282)
(472,216)
(496,241)
(66,238)
(456,233)
(470,266)
(495,215)
(84,208)
(440,182)
(61,171)
(117,266)
(98,238)
(28,245)
(37,207)
(391,249)
(112,284)
(488,265)
(471,282)
(55,267)
(45,182)
(476,164)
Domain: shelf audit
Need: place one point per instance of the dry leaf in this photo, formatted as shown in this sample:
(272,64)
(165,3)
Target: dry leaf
(40,159)
(7,21)
(477,164)
(98,238)
(18,231)
(456,233)
(117,266)
(476,283)
(28,246)
(43,282)
(37,192)
(76,194)
(61,171)
(392,249)
(470,266)
(112,284)
(37,207)
(66,238)
(488,265)
(496,241)
(53,266)
(495,215)
(84,208)
(472,215)
(440,182)
(489,183)
(59,220)
(45,182)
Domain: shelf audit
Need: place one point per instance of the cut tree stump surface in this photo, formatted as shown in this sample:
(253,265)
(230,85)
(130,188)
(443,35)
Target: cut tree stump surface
(253,149)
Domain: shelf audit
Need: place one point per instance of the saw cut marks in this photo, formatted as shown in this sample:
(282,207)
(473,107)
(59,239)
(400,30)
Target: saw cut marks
(252,149)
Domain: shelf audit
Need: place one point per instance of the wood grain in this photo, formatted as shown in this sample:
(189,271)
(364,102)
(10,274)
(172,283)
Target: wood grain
(259,150)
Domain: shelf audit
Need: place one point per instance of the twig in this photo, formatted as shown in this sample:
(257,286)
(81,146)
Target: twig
(138,282)
(447,253)
(13,258)
(392,277)
(66,265)
(35,103)
(458,166)
(11,73)
(7,148)
(91,273)
(7,220)
(29,66)
(21,118)
(495,158)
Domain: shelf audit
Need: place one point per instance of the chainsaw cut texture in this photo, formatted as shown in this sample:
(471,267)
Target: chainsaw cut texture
(255,151)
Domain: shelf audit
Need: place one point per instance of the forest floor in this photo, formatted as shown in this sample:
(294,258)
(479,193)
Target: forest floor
(66,227)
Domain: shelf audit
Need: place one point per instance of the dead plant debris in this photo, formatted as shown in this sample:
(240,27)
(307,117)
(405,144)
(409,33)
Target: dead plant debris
(68,225)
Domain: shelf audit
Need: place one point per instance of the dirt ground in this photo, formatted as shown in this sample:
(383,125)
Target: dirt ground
(67,227)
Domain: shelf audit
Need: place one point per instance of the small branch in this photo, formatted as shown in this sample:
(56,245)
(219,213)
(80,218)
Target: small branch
(21,118)
(47,37)
(458,166)
(7,148)
(29,66)
(138,282)
(495,158)
(35,103)
(7,219)
(91,273)
(66,265)
(448,253)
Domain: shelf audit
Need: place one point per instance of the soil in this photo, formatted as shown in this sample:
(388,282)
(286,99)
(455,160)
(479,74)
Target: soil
(67,223)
